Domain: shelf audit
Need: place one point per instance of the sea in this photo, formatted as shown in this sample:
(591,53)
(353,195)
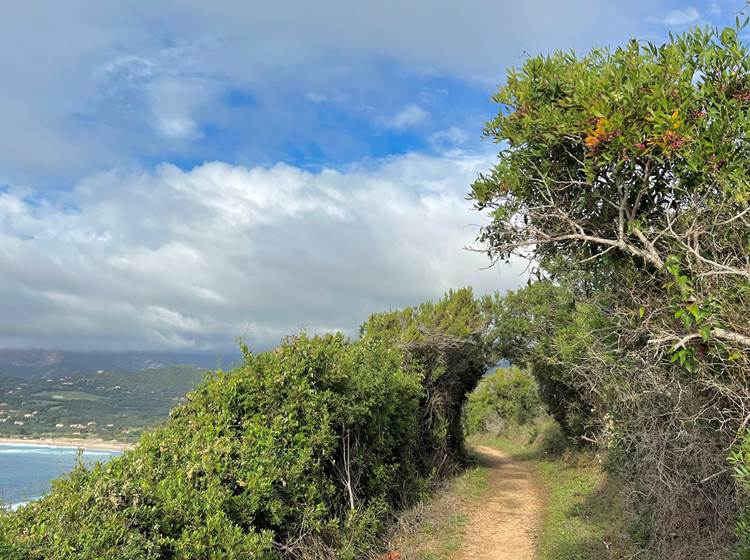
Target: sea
(26,470)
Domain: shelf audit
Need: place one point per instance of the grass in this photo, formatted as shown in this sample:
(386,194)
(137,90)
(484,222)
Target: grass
(435,528)
(583,516)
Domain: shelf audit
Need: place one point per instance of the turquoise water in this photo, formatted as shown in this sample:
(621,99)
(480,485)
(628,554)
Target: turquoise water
(26,470)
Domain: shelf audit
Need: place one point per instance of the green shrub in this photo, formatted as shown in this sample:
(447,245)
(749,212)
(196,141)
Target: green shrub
(543,327)
(740,459)
(506,397)
(304,451)
(444,342)
(280,448)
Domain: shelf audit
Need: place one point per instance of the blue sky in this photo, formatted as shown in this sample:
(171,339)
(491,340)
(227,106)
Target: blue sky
(175,174)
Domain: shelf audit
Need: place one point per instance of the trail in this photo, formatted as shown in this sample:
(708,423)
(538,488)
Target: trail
(503,525)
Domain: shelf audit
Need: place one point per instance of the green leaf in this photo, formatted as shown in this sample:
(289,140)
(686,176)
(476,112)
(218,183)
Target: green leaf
(705,332)
(693,308)
(728,36)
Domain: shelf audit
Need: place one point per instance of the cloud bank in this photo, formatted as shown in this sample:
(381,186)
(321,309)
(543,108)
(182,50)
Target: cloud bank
(91,85)
(102,246)
(191,259)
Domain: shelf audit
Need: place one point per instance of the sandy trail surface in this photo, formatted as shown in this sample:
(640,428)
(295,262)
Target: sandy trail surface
(503,525)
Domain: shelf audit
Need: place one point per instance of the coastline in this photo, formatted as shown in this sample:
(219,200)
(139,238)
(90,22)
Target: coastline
(78,443)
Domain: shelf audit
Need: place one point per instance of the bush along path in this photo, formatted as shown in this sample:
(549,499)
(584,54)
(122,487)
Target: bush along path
(503,526)
(302,452)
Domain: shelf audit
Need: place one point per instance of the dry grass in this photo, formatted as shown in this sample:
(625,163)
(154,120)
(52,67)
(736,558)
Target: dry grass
(585,517)
(434,529)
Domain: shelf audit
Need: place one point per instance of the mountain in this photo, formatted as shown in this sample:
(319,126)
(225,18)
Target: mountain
(39,364)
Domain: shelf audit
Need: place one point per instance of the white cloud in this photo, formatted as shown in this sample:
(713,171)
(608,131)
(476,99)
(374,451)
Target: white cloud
(449,138)
(84,104)
(409,116)
(679,17)
(177,127)
(170,258)
(316,97)
(166,82)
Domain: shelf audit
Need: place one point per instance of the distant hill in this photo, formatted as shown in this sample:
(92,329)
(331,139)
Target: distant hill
(111,405)
(43,364)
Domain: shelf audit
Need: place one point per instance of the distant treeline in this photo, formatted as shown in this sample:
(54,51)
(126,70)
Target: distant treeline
(34,364)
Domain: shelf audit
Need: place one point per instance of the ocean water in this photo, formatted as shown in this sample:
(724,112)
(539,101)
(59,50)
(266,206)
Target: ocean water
(27,469)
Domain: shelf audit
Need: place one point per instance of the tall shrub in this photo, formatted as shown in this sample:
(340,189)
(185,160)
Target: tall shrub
(442,341)
(302,452)
(624,174)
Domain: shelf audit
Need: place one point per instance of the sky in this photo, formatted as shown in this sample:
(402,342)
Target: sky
(177,174)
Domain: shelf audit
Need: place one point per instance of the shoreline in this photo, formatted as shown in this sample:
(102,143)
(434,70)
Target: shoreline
(70,442)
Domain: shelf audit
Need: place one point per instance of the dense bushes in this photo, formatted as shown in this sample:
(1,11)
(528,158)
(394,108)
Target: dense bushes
(505,398)
(740,458)
(543,328)
(624,178)
(300,453)
(259,456)
(443,341)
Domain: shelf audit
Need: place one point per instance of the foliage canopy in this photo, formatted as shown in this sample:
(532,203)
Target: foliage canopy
(623,173)
(503,399)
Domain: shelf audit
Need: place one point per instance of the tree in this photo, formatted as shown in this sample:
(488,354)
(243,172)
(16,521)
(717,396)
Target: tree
(624,175)
(533,327)
(636,156)
(442,341)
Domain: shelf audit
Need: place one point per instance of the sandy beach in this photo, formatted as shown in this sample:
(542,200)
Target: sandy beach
(70,442)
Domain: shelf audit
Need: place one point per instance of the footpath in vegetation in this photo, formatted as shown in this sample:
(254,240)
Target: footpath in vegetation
(541,500)
(582,515)
(504,524)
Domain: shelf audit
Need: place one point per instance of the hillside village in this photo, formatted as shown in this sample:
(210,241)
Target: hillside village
(104,404)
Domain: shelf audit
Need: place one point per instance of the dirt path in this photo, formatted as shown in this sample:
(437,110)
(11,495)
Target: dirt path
(503,525)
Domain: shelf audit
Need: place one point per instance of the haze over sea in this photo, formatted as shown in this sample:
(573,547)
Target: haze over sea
(26,470)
